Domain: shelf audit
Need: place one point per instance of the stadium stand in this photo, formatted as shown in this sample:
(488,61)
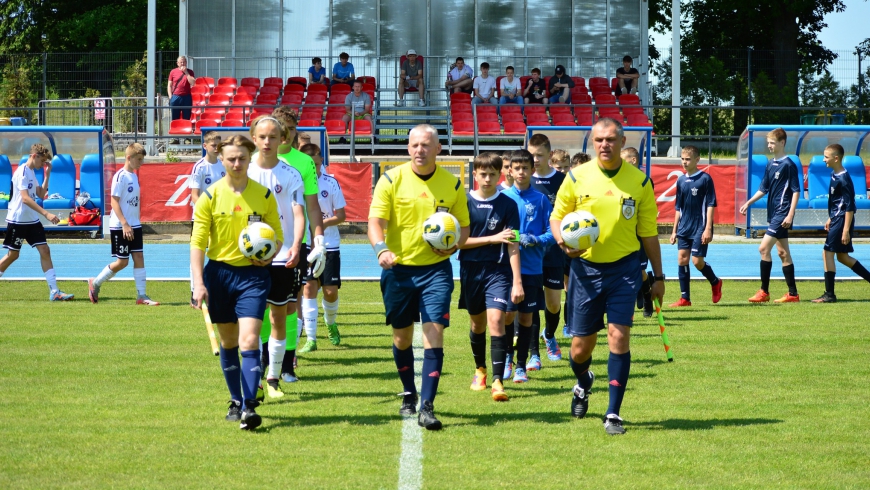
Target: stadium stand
(227,82)
(206,123)
(251,82)
(206,81)
(515,128)
(335,127)
(273,82)
(90,174)
(180,127)
(297,81)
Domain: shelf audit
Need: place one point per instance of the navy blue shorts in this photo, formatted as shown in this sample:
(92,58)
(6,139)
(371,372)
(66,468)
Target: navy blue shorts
(598,289)
(485,286)
(834,242)
(554,277)
(567,267)
(775,229)
(236,292)
(415,292)
(692,243)
(534,294)
(642,258)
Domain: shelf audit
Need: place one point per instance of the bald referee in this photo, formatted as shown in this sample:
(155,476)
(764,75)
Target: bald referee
(417,280)
(605,278)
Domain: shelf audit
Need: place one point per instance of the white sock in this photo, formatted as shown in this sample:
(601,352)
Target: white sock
(330,311)
(51,279)
(277,348)
(104,276)
(139,278)
(299,326)
(309,313)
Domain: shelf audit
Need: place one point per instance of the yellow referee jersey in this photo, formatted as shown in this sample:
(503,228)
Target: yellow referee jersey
(220,216)
(406,201)
(625,207)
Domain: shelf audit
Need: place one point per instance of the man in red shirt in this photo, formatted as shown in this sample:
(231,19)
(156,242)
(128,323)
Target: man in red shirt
(180,81)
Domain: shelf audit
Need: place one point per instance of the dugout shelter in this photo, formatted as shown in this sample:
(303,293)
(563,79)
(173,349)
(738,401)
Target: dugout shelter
(805,145)
(83,160)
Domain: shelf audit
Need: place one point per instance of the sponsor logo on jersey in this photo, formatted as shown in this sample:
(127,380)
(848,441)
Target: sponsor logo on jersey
(130,188)
(484,206)
(628,208)
(776,175)
(499,300)
(530,210)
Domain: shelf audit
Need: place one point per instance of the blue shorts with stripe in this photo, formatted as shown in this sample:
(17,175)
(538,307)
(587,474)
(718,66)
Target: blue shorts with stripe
(598,289)
(775,228)
(692,243)
(834,241)
(236,292)
(415,293)
(485,286)
(534,293)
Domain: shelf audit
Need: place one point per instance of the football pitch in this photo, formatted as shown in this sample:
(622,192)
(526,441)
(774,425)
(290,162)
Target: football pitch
(124,396)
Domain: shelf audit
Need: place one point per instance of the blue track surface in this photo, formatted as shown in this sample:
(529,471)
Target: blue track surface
(171,262)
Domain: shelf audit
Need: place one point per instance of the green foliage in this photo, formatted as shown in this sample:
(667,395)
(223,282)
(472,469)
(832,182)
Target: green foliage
(16,88)
(135,82)
(91,93)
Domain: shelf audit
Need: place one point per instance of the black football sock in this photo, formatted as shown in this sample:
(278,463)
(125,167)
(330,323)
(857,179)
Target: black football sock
(581,371)
(552,323)
(709,274)
(859,269)
(264,357)
(618,367)
(509,336)
(829,282)
(287,365)
(788,272)
(522,350)
(496,349)
(478,348)
(685,277)
(766,267)
(535,334)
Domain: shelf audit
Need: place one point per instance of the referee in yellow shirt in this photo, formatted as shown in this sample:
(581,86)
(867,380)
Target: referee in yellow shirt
(234,286)
(417,280)
(605,278)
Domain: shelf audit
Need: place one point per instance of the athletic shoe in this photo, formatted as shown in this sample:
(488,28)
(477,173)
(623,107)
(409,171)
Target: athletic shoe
(250,420)
(613,425)
(273,388)
(334,336)
(426,417)
(409,403)
(565,333)
(680,303)
(58,295)
(508,366)
(234,414)
(93,291)
(289,377)
(760,297)
(788,298)
(580,401)
(422,103)
(479,381)
(143,299)
(498,394)
(520,375)
(554,353)
(310,346)
(534,363)
(400,103)
(261,395)
(648,309)
(717,291)
(826,298)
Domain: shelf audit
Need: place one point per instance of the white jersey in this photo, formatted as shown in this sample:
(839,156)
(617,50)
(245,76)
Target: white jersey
(286,183)
(204,174)
(125,186)
(330,199)
(24,179)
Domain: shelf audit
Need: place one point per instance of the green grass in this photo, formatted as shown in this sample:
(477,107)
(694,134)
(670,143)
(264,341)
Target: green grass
(115,395)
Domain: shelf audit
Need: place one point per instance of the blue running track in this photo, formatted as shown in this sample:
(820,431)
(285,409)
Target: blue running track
(171,262)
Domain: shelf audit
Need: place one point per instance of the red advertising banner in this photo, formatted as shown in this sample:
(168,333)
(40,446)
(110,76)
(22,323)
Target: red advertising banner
(665,180)
(355,180)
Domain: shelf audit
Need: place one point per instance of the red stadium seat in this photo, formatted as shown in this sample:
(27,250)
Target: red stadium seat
(201,89)
(535,109)
(219,99)
(584,119)
(371,93)
(579,82)
(563,117)
(338,96)
(251,82)
(273,82)
(629,99)
(292,98)
(633,109)
(560,109)
(510,109)
(298,81)
(537,119)
(309,123)
(247,89)
(180,127)
(614,85)
(461,107)
(233,123)
(461,97)
(524,81)
(294,87)
(315,113)
(507,117)
(267,99)
(315,98)
(316,87)
(601,99)
(206,123)
(547,81)
(362,128)
(578,98)
(207,81)
(514,127)
(270,89)
(224,90)
(335,128)
(331,116)
(227,82)
(599,81)
(565,123)
(243,99)
(462,116)
(488,128)
(371,80)
(464,128)
(490,108)
(487,117)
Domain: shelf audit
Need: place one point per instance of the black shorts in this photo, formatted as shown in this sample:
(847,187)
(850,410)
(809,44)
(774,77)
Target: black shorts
(121,247)
(302,265)
(554,277)
(834,242)
(331,275)
(775,229)
(534,295)
(17,234)
(567,268)
(285,285)
(485,286)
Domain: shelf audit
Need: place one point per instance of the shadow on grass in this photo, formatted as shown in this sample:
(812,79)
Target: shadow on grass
(273,422)
(701,424)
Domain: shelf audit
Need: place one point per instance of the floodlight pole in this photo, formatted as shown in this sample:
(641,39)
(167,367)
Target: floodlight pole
(150,96)
(675,79)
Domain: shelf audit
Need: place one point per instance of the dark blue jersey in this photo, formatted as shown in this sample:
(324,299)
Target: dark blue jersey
(695,193)
(841,199)
(781,179)
(549,185)
(490,217)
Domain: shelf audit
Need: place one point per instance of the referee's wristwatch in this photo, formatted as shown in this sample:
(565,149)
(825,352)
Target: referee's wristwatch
(658,278)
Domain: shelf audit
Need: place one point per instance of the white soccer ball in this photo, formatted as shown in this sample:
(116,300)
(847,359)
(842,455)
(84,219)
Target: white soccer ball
(257,241)
(579,230)
(441,231)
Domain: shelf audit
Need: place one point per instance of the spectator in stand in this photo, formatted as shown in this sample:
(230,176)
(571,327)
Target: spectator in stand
(510,88)
(535,91)
(358,104)
(560,87)
(317,73)
(342,72)
(484,87)
(460,78)
(412,76)
(180,81)
(627,76)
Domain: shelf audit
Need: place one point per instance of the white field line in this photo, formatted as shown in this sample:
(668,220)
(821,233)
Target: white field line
(411,457)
